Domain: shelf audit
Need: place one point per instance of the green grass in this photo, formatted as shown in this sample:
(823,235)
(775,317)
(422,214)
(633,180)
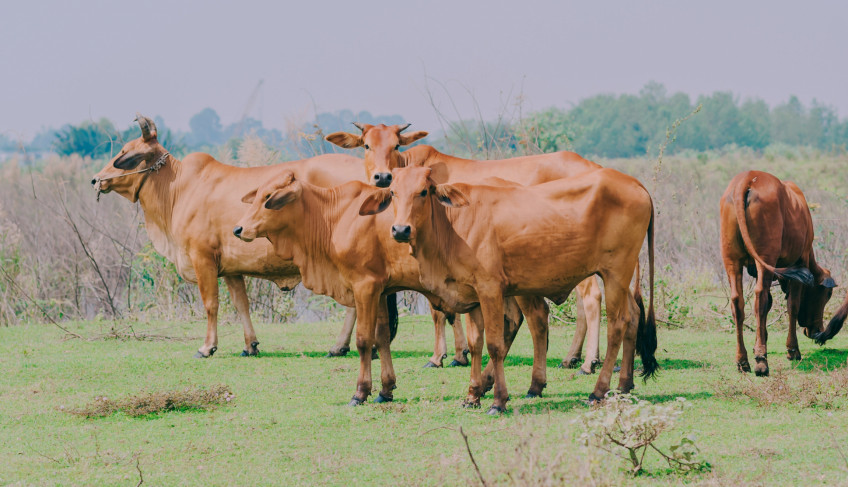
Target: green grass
(289,423)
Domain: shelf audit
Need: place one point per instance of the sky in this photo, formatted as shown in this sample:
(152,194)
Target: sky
(66,62)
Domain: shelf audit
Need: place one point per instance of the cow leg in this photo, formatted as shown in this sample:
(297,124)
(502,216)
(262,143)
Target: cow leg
(207,280)
(384,340)
(342,346)
(793,303)
(737,303)
(474,329)
(617,295)
(592,315)
(238,293)
(575,353)
(536,311)
(512,319)
(628,352)
(440,351)
(492,308)
(367,301)
(762,305)
(460,344)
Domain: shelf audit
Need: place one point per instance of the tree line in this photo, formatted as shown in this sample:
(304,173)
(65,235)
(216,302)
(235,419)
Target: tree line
(604,125)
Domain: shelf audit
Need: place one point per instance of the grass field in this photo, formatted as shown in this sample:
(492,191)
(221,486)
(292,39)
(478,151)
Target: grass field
(289,423)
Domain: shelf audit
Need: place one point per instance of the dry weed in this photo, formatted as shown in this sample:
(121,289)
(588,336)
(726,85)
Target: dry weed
(142,404)
(805,390)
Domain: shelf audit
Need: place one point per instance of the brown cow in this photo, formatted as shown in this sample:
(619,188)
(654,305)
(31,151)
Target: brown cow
(190,207)
(766,223)
(382,144)
(476,244)
(345,256)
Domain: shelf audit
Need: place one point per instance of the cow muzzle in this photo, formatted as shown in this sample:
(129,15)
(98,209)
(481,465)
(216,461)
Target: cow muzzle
(401,233)
(239,232)
(383,179)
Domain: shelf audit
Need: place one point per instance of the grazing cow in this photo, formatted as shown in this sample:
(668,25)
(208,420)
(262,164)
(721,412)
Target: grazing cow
(476,244)
(345,256)
(382,154)
(190,207)
(766,228)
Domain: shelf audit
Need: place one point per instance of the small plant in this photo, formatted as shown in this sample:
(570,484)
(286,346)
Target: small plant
(624,422)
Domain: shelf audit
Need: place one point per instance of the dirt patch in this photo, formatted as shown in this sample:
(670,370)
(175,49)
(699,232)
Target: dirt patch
(142,404)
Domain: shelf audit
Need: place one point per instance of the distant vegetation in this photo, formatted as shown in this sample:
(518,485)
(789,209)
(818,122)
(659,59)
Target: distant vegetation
(615,126)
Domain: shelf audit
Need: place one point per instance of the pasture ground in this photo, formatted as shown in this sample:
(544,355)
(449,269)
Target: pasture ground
(289,423)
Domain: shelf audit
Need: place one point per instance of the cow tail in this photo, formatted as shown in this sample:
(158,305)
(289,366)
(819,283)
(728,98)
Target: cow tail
(796,273)
(834,325)
(646,335)
(391,304)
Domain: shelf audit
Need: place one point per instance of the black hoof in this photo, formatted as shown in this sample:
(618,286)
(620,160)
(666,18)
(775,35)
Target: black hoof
(468,404)
(532,395)
(495,410)
(593,399)
(457,363)
(582,372)
(355,401)
(431,365)
(617,368)
(381,398)
(338,353)
(212,351)
(743,366)
(244,353)
(200,355)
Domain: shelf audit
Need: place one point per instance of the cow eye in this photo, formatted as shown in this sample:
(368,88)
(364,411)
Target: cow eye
(424,193)
(366,147)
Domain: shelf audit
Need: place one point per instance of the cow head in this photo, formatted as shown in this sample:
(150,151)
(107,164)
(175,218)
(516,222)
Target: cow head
(382,144)
(813,300)
(137,154)
(413,194)
(264,215)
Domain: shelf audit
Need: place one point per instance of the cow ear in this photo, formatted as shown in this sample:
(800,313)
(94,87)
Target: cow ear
(344,139)
(828,282)
(249,197)
(129,162)
(449,195)
(284,196)
(376,202)
(407,139)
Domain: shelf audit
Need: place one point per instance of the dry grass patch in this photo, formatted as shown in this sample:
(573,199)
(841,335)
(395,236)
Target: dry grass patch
(822,390)
(190,398)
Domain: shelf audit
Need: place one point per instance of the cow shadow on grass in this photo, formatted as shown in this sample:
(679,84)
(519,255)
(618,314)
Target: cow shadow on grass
(822,359)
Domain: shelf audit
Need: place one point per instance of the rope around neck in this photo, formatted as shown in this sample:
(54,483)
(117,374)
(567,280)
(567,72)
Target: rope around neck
(163,159)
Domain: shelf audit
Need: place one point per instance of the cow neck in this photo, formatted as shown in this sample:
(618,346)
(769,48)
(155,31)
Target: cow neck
(157,195)
(436,241)
(320,213)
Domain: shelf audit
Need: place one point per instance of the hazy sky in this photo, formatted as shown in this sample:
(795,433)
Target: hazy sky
(68,61)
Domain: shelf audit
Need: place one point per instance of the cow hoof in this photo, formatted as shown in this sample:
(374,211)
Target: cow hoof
(471,403)
(212,351)
(496,410)
(355,401)
(381,398)
(582,372)
(338,353)
(743,366)
(457,363)
(252,352)
(617,368)
(593,399)
(532,395)
(569,363)
(761,369)
(431,365)
(793,354)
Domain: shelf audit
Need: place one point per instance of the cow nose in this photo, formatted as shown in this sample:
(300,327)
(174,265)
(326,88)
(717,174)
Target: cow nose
(401,233)
(383,179)
(94,181)
(237,231)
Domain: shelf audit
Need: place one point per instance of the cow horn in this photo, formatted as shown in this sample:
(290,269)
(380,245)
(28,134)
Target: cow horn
(148,128)
(401,129)
(359,126)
